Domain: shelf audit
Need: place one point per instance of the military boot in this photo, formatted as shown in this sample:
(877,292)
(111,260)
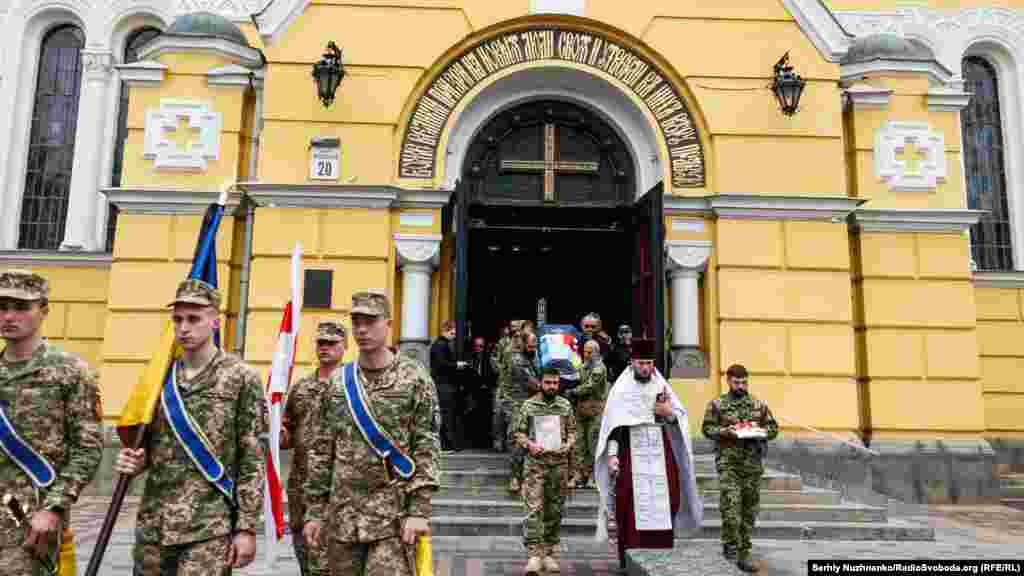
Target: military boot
(551,560)
(745,563)
(729,552)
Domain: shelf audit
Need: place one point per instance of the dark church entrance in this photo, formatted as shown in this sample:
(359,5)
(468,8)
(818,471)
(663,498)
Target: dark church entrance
(546,210)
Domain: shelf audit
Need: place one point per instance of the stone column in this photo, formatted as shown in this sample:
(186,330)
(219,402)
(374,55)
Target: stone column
(418,256)
(80,228)
(685,261)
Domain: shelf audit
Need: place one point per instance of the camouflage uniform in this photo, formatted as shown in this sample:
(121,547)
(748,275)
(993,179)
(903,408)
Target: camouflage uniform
(590,396)
(498,358)
(544,476)
(520,371)
(359,499)
(52,400)
(300,419)
(739,464)
(184,524)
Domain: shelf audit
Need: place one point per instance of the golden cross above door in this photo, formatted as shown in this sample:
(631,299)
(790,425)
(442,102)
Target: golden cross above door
(550,165)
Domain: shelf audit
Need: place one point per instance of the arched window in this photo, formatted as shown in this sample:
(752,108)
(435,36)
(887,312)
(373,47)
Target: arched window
(51,152)
(984,166)
(131,54)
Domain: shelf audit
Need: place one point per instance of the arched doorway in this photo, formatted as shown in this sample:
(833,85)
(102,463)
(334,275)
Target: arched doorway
(545,217)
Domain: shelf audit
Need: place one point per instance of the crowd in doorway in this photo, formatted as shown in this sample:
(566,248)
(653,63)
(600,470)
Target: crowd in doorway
(478,394)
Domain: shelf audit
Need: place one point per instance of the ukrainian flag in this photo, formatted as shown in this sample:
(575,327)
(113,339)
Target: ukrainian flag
(141,405)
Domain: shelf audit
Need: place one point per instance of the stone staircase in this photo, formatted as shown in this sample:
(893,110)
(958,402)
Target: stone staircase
(1012,490)
(474,502)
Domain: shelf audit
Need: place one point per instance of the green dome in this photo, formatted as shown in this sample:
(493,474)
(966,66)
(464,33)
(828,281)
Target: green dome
(207,24)
(887,47)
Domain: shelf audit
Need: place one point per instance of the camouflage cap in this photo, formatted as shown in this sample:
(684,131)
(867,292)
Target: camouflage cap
(23,285)
(330,330)
(371,303)
(194,291)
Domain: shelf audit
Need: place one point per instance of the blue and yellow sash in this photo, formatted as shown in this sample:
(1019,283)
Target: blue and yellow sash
(385,448)
(191,436)
(38,468)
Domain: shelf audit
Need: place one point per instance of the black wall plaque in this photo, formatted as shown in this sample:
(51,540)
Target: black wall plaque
(317,289)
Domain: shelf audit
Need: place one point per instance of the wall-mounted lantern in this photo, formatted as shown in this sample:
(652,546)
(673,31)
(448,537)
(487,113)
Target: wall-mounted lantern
(328,73)
(788,86)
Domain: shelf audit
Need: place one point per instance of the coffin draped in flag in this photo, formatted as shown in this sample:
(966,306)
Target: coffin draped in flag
(142,402)
(277,385)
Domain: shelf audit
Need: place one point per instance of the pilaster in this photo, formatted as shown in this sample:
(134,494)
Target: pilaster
(685,261)
(418,257)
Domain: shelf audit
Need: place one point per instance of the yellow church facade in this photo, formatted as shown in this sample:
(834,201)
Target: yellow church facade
(862,256)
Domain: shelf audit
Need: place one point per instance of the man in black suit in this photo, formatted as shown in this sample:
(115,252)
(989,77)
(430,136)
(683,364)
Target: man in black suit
(443,368)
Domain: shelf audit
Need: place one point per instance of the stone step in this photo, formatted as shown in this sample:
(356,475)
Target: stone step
(510,507)
(579,528)
(772,480)
(805,496)
(477,460)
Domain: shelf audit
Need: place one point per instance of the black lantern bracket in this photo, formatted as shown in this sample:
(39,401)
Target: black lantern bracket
(328,74)
(787,85)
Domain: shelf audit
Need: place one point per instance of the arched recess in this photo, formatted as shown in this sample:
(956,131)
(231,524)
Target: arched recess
(27,29)
(1005,59)
(559,57)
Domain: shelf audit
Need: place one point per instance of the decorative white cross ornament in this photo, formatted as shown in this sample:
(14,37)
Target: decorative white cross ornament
(182,134)
(910,156)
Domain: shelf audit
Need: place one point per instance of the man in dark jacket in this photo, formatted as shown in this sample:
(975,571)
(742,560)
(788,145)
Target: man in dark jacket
(621,355)
(443,367)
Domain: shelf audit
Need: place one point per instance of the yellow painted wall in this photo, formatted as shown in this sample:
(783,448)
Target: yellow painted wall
(356,244)
(1001,357)
(917,332)
(152,254)
(78,309)
(785,312)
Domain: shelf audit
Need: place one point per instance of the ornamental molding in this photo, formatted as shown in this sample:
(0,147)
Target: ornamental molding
(687,255)
(234,10)
(97,63)
(424,198)
(915,220)
(936,71)
(943,99)
(1011,280)
(164,129)
(54,259)
(230,75)
(821,26)
(143,72)
(418,250)
(910,156)
(866,97)
(764,207)
(949,33)
(174,44)
(320,195)
(164,201)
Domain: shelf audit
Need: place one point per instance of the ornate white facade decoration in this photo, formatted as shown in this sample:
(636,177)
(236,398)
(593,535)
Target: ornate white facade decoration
(417,249)
(573,7)
(182,134)
(238,10)
(910,156)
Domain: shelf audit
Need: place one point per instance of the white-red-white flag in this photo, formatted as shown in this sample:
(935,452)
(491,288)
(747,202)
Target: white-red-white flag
(277,386)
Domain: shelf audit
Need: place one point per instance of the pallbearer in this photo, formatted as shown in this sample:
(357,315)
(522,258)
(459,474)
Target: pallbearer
(50,432)
(300,422)
(644,464)
(204,490)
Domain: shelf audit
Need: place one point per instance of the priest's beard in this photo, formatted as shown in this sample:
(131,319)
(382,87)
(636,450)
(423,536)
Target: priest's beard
(641,379)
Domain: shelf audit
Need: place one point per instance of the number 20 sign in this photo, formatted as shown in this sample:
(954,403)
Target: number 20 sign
(325,164)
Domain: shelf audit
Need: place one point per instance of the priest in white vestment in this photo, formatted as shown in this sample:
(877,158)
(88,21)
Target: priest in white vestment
(644,462)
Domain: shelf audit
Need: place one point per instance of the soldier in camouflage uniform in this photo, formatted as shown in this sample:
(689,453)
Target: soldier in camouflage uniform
(589,398)
(374,515)
(739,462)
(523,382)
(545,473)
(499,364)
(300,423)
(185,525)
(51,399)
